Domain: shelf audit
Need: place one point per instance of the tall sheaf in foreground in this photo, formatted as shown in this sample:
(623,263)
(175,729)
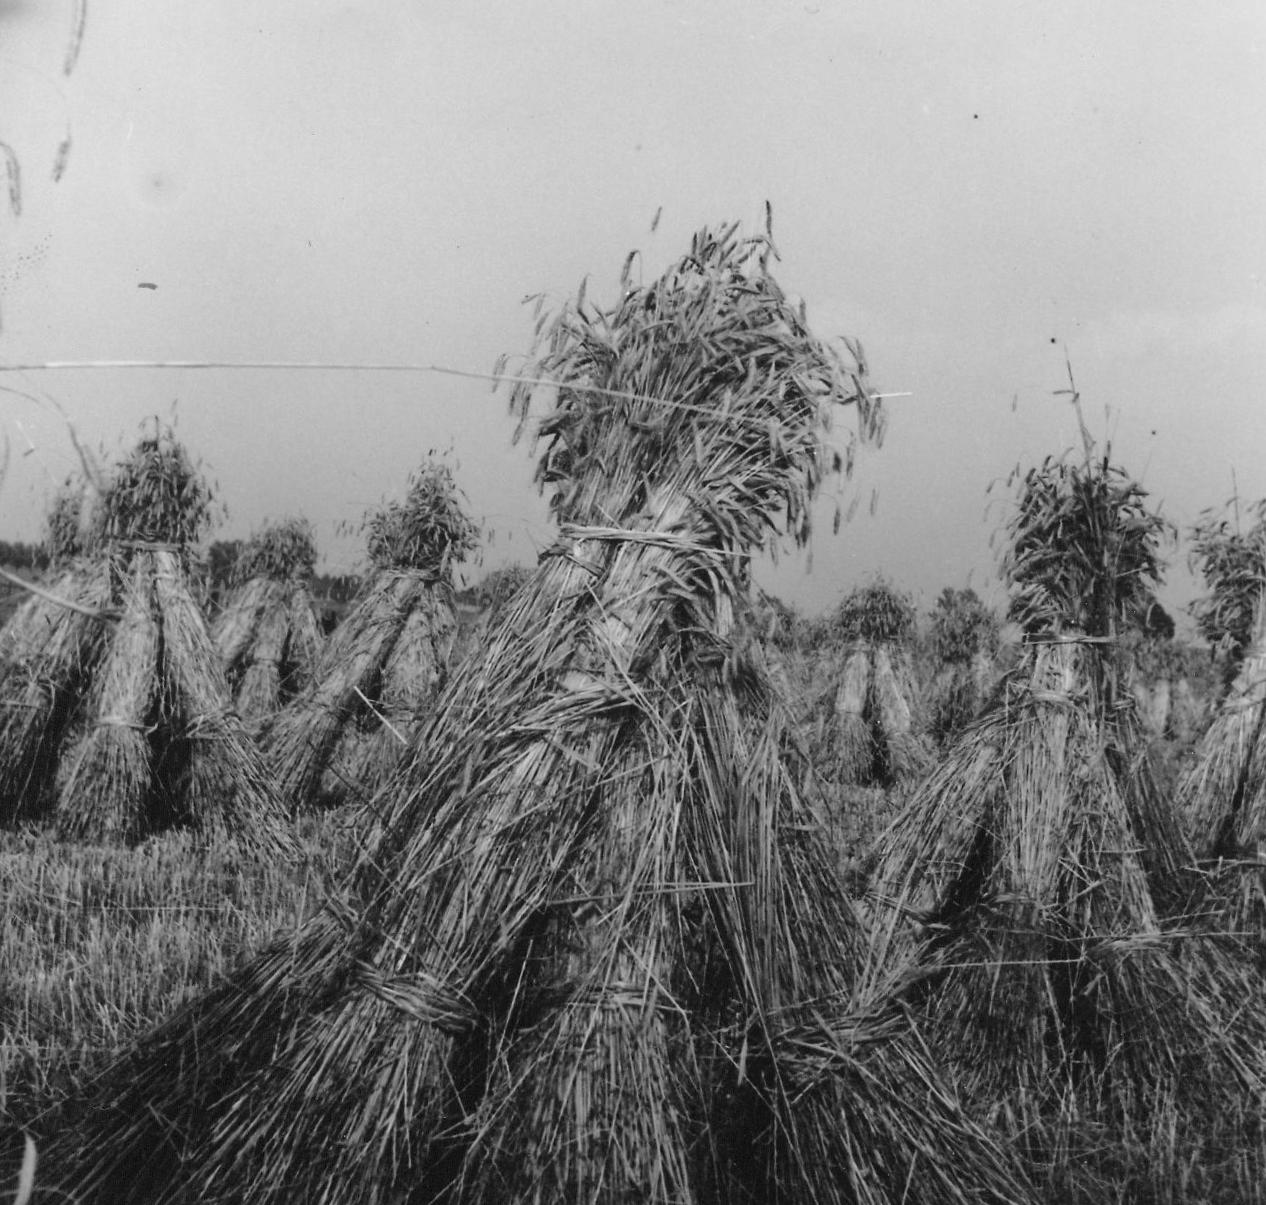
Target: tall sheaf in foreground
(599,953)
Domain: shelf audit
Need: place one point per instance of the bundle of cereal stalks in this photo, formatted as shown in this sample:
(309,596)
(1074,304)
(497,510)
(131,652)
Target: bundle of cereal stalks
(1222,792)
(124,725)
(1168,680)
(36,629)
(964,640)
(1036,872)
(68,526)
(267,633)
(383,666)
(598,953)
(874,733)
(47,651)
(1230,552)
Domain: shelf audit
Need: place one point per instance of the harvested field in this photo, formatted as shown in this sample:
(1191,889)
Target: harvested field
(655,891)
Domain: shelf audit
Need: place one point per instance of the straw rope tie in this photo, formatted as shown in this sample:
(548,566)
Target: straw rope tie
(1060,698)
(148,545)
(1246,701)
(115,721)
(674,541)
(1069,638)
(203,727)
(427,577)
(621,995)
(105,615)
(423,997)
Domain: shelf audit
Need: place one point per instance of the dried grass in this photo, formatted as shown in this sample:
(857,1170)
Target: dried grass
(319,745)
(218,776)
(156,496)
(1041,879)
(1222,794)
(429,530)
(1033,872)
(259,693)
(127,727)
(599,951)
(957,695)
(27,629)
(851,741)
(66,536)
(873,736)
(282,551)
(410,681)
(50,652)
(303,649)
(877,613)
(235,626)
(269,642)
(964,639)
(145,702)
(341,735)
(1230,552)
(109,770)
(1084,550)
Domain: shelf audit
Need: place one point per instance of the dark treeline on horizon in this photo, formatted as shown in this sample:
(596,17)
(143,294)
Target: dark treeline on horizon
(16,554)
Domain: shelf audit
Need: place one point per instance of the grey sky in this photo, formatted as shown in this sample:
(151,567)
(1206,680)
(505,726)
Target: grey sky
(967,187)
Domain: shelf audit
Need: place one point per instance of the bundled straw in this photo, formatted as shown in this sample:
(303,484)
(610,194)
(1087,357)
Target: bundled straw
(430,530)
(119,729)
(47,652)
(874,735)
(1222,792)
(875,614)
(849,748)
(235,626)
(1232,560)
(964,640)
(215,775)
(379,673)
(283,657)
(108,783)
(267,633)
(598,953)
(47,649)
(282,551)
(395,697)
(66,534)
(1161,673)
(1033,872)
(1085,549)
(156,496)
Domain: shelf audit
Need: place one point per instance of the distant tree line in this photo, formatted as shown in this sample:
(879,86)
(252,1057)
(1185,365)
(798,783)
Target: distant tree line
(16,554)
(336,587)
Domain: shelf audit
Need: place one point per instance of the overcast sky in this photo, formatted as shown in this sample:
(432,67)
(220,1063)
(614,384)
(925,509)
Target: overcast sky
(969,188)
